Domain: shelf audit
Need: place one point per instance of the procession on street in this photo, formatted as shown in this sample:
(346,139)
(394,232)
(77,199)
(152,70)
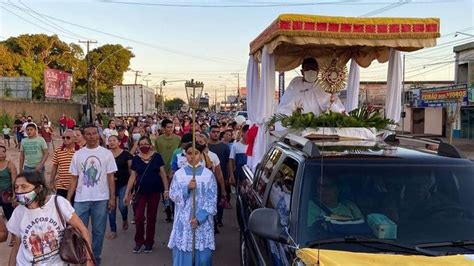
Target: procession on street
(97,168)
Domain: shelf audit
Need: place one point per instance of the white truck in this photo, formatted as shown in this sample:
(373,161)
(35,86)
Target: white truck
(133,100)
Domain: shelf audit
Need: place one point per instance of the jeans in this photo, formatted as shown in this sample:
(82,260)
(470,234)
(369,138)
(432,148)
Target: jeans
(120,193)
(62,128)
(150,203)
(19,137)
(28,169)
(97,211)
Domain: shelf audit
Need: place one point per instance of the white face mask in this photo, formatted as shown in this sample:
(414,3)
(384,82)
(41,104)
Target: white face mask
(136,136)
(310,76)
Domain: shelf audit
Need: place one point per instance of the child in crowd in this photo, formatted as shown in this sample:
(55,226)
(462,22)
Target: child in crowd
(6,135)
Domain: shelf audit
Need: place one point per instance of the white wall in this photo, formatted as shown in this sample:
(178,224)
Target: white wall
(407,125)
(434,121)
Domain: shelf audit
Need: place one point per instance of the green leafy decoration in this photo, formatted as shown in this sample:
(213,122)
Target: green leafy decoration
(365,116)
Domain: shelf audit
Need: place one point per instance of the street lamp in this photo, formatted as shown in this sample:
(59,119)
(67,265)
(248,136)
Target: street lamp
(193,94)
(163,83)
(144,77)
(100,63)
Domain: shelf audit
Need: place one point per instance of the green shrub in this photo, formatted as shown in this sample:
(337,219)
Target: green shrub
(6,119)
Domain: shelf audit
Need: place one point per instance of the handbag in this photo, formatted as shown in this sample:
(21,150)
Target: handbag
(134,198)
(73,248)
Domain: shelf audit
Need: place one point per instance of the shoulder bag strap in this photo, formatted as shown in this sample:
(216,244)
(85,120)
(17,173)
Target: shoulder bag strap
(144,172)
(58,210)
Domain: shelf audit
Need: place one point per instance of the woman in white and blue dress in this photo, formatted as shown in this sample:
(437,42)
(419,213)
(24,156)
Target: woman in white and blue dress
(181,190)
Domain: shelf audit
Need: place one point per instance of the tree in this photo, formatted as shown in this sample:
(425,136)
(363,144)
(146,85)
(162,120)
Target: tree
(114,60)
(36,52)
(174,104)
(8,62)
(30,54)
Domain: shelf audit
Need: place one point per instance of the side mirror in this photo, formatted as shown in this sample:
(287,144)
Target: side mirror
(265,223)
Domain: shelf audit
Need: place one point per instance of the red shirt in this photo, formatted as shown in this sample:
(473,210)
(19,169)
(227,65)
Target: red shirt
(62,121)
(70,123)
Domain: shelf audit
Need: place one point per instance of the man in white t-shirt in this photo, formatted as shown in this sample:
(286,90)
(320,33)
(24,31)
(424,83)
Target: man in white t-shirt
(238,158)
(93,183)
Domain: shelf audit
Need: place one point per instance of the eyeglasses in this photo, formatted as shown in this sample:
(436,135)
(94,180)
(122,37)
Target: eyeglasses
(214,131)
(67,137)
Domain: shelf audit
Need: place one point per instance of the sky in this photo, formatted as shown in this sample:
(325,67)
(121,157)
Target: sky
(208,41)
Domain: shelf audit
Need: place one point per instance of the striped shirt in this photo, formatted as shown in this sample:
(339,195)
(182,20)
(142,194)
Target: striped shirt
(62,159)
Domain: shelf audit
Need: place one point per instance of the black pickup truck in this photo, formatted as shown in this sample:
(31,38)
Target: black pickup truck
(401,195)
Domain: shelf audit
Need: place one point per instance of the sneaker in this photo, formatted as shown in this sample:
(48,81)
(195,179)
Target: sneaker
(148,249)
(137,249)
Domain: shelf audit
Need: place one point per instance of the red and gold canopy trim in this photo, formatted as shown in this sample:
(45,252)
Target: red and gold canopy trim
(354,31)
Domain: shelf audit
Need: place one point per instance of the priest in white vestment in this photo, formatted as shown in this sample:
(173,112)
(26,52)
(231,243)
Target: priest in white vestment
(304,91)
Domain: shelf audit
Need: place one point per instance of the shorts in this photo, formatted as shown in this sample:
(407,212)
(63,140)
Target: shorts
(6,136)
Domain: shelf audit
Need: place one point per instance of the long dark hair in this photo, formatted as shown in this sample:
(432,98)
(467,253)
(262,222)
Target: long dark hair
(39,182)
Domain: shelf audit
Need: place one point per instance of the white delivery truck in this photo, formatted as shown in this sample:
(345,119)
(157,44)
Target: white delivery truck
(133,100)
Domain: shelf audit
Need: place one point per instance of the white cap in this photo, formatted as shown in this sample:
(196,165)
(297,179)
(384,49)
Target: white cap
(240,119)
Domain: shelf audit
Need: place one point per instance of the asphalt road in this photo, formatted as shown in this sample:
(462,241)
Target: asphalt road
(118,252)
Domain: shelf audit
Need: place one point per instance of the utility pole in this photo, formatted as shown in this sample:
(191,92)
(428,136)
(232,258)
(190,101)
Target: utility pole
(238,88)
(225,97)
(162,83)
(215,100)
(88,92)
(136,75)
(238,91)
(403,97)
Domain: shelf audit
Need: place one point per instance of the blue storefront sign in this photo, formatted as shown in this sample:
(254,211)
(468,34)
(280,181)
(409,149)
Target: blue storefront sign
(444,96)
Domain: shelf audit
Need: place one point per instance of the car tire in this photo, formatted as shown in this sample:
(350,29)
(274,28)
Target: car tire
(244,253)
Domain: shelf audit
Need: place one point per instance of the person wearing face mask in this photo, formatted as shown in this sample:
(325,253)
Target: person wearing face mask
(136,135)
(37,222)
(148,181)
(305,92)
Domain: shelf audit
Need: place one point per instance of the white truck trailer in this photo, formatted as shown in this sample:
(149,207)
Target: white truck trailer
(134,100)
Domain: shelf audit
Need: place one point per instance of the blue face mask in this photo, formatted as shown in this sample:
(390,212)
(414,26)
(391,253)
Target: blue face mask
(26,198)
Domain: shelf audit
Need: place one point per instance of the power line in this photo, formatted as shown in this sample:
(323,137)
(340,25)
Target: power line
(258,4)
(386,8)
(46,20)
(32,23)
(162,48)
(431,70)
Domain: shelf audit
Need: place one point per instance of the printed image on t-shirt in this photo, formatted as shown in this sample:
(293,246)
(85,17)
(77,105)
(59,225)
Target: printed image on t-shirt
(91,171)
(41,237)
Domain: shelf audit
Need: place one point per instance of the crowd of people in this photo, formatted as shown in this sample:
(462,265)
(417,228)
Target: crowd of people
(126,162)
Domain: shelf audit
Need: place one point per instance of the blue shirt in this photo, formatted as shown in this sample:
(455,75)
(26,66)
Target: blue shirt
(149,182)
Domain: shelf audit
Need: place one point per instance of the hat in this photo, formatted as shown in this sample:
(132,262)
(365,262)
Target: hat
(120,128)
(240,119)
